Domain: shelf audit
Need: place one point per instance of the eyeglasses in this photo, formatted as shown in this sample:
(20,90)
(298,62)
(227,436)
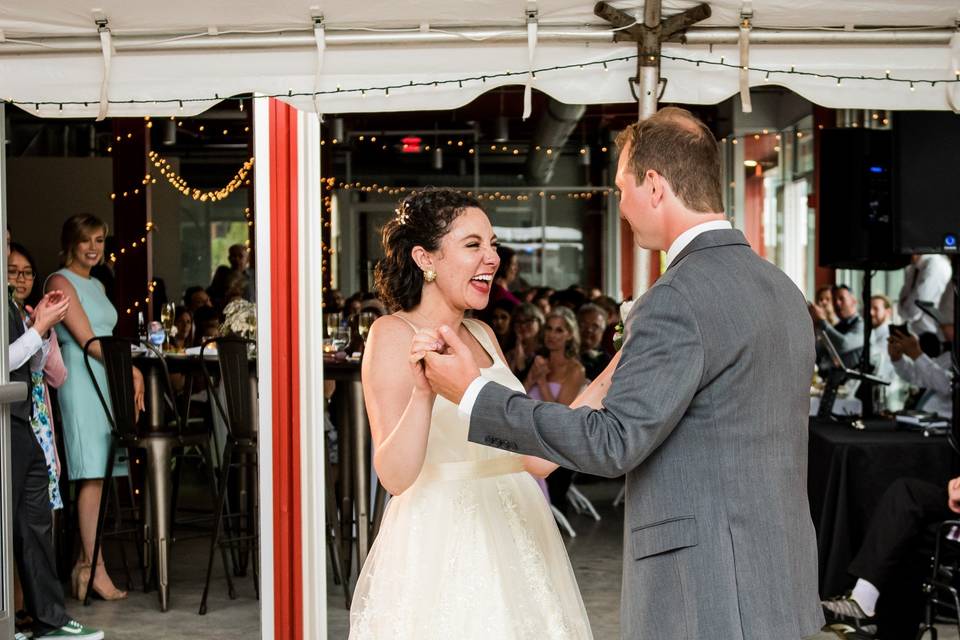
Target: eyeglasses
(14,274)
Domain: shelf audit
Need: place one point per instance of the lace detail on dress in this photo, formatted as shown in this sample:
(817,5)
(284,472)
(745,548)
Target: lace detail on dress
(534,569)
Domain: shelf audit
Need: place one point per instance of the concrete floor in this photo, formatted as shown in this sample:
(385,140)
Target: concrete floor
(594,553)
(596,557)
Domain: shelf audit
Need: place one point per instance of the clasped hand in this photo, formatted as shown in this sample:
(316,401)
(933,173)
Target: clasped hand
(442,363)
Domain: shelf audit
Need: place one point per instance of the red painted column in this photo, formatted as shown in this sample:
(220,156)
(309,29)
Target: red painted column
(288,590)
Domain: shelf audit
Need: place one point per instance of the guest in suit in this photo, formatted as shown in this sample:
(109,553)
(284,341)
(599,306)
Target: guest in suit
(895,558)
(847,334)
(592,321)
(704,409)
(86,429)
(881,314)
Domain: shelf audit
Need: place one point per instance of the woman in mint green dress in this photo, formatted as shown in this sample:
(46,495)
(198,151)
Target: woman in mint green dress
(86,430)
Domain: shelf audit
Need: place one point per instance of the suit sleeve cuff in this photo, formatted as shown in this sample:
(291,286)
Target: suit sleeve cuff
(469,398)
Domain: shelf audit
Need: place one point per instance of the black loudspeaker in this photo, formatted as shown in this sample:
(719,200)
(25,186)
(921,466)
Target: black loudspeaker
(858,228)
(927,185)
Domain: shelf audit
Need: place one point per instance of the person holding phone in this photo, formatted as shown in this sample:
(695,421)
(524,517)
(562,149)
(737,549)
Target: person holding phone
(933,375)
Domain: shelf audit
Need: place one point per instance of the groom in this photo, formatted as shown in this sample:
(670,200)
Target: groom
(706,412)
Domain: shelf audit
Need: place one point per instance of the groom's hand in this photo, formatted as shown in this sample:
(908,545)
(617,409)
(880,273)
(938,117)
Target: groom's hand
(452,372)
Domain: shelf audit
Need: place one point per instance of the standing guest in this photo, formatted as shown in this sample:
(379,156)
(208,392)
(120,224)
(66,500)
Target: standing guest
(32,523)
(500,320)
(823,300)
(196,297)
(592,322)
(527,324)
(239,258)
(924,280)
(86,428)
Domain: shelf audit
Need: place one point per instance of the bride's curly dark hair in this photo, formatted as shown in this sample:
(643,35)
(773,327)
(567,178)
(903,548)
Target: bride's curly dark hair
(422,219)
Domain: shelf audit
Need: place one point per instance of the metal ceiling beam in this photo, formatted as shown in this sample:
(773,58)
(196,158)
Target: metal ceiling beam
(305,39)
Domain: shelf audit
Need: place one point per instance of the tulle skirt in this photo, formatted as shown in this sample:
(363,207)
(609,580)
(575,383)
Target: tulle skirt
(470,551)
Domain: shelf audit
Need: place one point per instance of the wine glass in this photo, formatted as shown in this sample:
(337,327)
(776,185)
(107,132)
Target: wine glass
(341,338)
(366,320)
(168,313)
(333,320)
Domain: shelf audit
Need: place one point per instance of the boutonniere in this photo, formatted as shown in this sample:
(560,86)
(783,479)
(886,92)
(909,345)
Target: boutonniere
(625,308)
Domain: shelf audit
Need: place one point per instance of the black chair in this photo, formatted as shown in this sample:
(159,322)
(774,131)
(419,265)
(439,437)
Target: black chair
(237,531)
(941,587)
(117,359)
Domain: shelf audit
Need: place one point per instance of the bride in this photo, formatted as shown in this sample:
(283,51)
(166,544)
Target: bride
(468,547)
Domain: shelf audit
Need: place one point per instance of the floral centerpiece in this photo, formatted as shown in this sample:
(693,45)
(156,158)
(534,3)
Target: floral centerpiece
(618,331)
(240,319)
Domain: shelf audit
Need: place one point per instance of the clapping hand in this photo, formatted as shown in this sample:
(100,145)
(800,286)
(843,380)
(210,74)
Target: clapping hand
(817,314)
(539,370)
(51,310)
(903,344)
(953,495)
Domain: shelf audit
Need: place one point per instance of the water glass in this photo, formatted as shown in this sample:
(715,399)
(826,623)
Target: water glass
(333,322)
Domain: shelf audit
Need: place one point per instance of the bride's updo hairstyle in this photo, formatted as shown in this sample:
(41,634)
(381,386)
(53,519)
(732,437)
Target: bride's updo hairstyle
(422,219)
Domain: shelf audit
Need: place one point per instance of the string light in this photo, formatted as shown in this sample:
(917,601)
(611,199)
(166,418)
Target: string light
(148,229)
(177,182)
(385,89)
(135,305)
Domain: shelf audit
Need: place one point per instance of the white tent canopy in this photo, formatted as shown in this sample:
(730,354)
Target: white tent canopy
(197,52)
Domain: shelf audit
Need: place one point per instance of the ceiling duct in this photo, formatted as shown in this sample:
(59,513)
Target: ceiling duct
(557,121)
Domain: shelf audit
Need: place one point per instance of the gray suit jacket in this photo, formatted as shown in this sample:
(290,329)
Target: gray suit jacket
(707,417)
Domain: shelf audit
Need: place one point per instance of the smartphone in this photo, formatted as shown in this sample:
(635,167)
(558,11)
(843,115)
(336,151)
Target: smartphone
(899,329)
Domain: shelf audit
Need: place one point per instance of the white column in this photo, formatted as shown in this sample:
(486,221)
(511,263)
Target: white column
(261,178)
(312,403)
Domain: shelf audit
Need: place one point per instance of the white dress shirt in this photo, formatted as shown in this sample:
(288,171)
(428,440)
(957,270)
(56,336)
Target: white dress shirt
(926,280)
(473,391)
(932,374)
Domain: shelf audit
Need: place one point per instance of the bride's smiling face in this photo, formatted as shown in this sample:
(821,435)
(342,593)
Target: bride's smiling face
(466,261)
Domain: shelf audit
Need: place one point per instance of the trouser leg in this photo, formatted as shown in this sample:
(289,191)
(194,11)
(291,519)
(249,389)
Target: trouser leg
(33,532)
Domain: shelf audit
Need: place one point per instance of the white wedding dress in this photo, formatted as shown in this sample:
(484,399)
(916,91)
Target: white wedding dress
(470,551)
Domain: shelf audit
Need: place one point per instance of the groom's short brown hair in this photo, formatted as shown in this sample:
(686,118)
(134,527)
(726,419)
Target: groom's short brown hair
(679,146)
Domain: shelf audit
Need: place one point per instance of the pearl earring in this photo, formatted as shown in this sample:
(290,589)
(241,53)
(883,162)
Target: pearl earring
(429,275)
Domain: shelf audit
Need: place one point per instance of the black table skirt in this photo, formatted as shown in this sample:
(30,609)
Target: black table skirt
(849,470)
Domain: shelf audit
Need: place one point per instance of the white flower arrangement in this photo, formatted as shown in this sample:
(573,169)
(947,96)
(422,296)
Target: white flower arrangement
(240,319)
(618,334)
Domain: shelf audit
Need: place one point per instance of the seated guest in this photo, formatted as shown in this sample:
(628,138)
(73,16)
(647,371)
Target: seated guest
(500,317)
(891,563)
(612,309)
(527,322)
(572,298)
(183,322)
(196,297)
(206,324)
(919,369)
(846,335)
(823,299)
(541,298)
(592,322)
(881,314)
(557,376)
(505,276)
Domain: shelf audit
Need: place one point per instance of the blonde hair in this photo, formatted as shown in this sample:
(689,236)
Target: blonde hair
(77,229)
